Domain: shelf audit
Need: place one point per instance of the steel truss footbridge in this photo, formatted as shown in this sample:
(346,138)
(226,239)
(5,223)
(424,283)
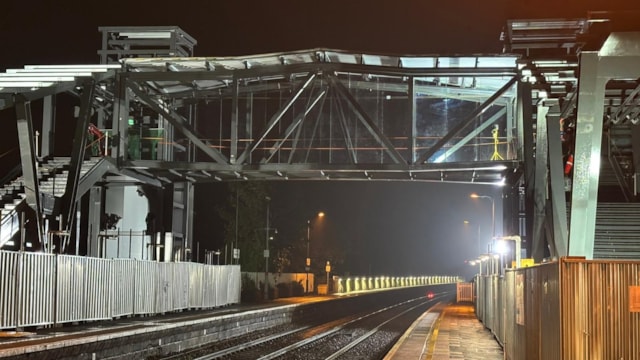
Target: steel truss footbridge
(164,118)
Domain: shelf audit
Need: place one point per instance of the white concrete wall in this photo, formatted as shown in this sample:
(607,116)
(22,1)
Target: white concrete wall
(133,208)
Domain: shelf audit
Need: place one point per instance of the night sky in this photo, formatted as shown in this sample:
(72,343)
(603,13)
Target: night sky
(401,228)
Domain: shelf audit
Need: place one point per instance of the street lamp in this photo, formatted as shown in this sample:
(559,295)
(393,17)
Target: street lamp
(266,253)
(308,261)
(518,241)
(493,211)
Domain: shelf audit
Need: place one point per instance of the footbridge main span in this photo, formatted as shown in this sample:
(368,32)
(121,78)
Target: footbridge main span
(161,121)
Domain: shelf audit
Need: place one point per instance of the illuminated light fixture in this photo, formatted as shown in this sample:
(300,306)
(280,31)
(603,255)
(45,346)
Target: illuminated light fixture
(543,94)
(91,67)
(147,34)
(501,247)
(217,178)
(25,84)
(36,77)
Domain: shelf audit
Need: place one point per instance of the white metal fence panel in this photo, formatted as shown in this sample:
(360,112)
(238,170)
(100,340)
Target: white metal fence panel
(221,286)
(196,285)
(36,289)
(9,264)
(97,289)
(45,289)
(233,284)
(163,288)
(180,286)
(69,284)
(208,285)
(123,286)
(145,287)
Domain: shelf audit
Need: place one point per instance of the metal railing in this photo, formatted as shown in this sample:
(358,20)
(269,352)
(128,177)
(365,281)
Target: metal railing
(38,289)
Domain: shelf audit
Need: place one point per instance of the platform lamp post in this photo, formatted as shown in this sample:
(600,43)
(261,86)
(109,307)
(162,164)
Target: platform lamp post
(493,211)
(308,260)
(266,253)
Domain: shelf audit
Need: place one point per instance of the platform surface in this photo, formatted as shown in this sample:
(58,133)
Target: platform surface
(447,331)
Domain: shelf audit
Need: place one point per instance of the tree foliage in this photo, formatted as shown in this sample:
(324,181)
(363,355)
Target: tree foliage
(246,202)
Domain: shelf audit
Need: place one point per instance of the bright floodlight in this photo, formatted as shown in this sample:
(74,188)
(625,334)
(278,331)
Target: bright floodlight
(321,214)
(501,247)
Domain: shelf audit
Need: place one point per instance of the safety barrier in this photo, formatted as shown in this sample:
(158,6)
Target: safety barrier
(38,289)
(464,292)
(570,309)
(345,285)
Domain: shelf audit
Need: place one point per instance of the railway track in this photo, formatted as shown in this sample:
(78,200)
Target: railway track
(361,336)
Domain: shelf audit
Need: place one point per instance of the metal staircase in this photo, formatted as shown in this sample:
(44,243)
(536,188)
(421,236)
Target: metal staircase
(52,177)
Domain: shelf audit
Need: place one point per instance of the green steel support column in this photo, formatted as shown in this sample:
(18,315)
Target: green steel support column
(48,125)
(77,156)
(540,184)
(95,214)
(234,121)
(635,146)
(524,127)
(28,160)
(412,103)
(587,156)
(560,236)
(120,118)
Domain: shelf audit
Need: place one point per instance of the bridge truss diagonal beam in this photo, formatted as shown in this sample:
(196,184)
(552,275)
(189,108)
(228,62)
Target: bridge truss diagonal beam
(485,124)
(367,121)
(276,117)
(342,119)
(178,121)
(466,121)
(297,123)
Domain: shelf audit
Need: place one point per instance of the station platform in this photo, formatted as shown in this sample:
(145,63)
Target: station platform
(447,331)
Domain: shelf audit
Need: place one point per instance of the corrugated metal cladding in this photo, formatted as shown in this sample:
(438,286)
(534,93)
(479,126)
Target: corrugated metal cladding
(464,292)
(598,321)
(572,309)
